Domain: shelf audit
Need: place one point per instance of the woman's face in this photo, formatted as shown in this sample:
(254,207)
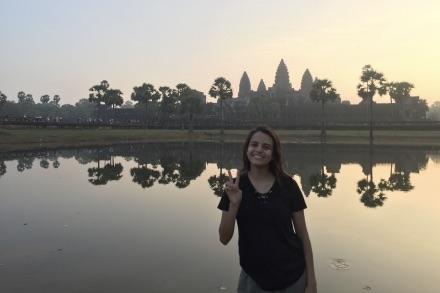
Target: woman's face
(259,151)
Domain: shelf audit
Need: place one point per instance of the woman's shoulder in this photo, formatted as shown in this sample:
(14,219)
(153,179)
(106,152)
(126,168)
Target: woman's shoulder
(288,183)
(286,179)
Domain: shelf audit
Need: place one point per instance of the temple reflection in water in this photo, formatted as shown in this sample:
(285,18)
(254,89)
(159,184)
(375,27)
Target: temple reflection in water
(317,166)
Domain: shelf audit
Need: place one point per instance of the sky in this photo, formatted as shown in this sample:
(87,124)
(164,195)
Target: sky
(66,47)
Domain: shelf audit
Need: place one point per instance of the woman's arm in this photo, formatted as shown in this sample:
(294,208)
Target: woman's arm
(299,223)
(227,223)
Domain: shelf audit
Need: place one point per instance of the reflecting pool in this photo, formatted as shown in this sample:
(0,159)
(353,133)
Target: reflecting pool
(143,218)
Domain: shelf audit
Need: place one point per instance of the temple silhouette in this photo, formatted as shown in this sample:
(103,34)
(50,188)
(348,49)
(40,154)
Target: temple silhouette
(280,105)
(300,109)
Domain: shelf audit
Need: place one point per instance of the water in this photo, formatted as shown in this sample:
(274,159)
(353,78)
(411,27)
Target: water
(143,218)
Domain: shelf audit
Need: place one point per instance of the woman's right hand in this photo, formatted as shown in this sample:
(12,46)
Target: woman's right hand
(232,189)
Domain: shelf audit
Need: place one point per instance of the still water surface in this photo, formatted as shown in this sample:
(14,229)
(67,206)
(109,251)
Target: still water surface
(143,218)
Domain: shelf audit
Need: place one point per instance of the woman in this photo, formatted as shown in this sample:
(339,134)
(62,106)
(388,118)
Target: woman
(275,256)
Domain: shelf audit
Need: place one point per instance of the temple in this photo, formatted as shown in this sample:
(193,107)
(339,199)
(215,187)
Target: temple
(281,105)
(283,99)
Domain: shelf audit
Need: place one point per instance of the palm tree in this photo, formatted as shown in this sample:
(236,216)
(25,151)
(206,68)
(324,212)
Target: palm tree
(190,102)
(144,94)
(110,172)
(399,91)
(29,99)
(112,98)
(3,99)
(56,99)
(168,103)
(97,93)
(372,82)
(396,181)
(221,89)
(21,96)
(44,163)
(144,176)
(189,168)
(2,168)
(322,91)
(217,182)
(45,99)
(371,196)
(322,183)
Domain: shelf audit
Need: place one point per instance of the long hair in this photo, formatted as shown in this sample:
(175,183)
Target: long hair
(276,163)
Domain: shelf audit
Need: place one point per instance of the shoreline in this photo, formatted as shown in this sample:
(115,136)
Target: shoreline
(25,139)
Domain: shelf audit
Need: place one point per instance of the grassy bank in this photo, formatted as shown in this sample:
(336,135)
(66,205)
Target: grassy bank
(14,139)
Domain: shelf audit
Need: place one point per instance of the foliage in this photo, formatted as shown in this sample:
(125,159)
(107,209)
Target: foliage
(56,99)
(101,176)
(323,184)
(372,82)
(371,196)
(113,97)
(190,102)
(143,95)
(221,90)
(45,99)
(168,101)
(434,111)
(397,181)
(144,176)
(322,91)
(2,168)
(21,96)
(399,91)
(217,183)
(3,99)
(97,92)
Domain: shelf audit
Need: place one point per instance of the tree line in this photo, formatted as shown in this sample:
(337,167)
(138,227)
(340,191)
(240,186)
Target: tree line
(187,102)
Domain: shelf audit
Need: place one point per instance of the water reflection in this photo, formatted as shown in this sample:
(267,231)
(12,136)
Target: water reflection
(2,168)
(323,183)
(317,166)
(102,175)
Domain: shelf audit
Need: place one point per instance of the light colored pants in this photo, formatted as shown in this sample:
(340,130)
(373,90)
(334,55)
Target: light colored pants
(247,285)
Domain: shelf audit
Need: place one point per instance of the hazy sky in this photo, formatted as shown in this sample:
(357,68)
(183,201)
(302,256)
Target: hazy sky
(65,47)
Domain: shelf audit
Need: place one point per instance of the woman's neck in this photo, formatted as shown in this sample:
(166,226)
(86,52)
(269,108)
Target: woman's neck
(260,173)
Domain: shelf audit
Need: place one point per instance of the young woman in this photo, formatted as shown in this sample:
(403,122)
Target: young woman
(274,246)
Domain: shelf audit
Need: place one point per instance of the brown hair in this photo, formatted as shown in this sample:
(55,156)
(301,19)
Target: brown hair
(276,164)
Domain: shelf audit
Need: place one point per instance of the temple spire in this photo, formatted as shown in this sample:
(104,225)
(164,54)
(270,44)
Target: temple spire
(261,87)
(306,84)
(282,82)
(245,86)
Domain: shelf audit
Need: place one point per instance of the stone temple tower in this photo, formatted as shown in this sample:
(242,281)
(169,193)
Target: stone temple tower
(306,85)
(282,81)
(261,90)
(244,90)
(282,86)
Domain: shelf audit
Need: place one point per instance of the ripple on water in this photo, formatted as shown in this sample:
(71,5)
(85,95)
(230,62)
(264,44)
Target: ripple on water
(340,264)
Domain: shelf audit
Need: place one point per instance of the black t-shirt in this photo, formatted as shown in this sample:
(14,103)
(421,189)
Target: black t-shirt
(270,251)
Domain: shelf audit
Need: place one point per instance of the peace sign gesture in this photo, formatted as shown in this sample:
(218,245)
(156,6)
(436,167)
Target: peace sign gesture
(232,189)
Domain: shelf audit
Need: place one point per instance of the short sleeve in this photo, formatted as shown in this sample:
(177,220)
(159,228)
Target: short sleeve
(296,198)
(224,202)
